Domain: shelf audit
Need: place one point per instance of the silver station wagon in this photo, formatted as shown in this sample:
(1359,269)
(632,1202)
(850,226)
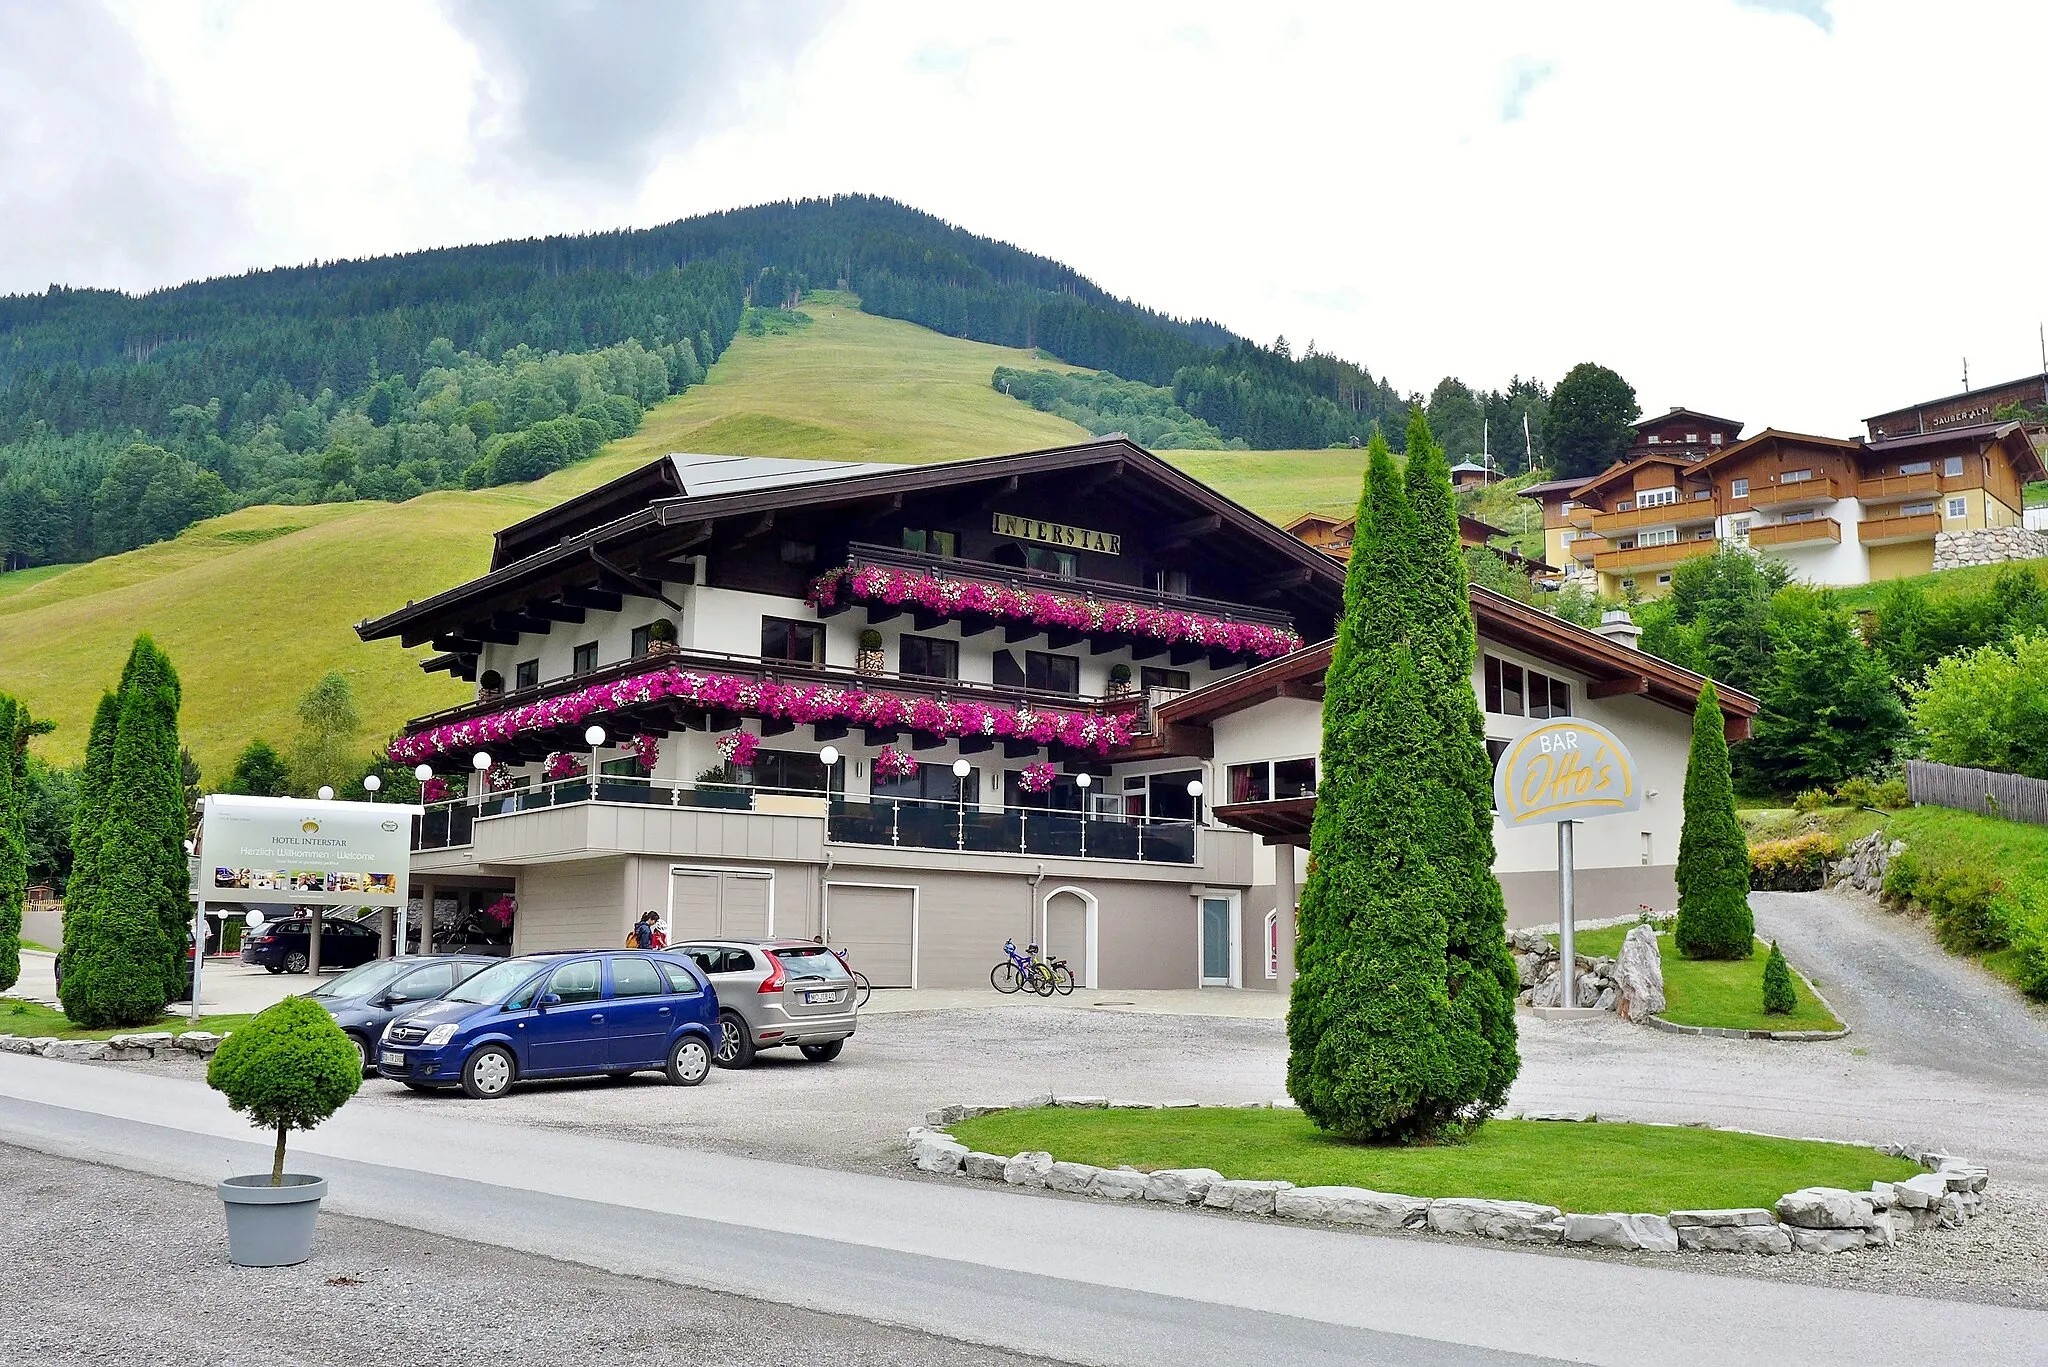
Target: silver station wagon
(773,993)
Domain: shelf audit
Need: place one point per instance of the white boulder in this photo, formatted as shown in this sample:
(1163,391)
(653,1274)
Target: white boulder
(987,1166)
(1118,1184)
(1352,1206)
(1246,1198)
(1522,1222)
(1824,1240)
(1827,1208)
(1028,1169)
(938,1153)
(17,1044)
(1639,976)
(1649,1233)
(1921,1191)
(1181,1186)
(1072,1178)
(1770,1238)
(76,1050)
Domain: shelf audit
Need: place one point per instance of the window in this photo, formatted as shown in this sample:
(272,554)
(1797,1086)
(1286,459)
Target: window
(1916,467)
(1953,465)
(931,543)
(1957,507)
(1704,534)
(1714,440)
(1168,798)
(1646,847)
(1503,687)
(799,642)
(1803,515)
(1628,585)
(1626,505)
(1663,579)
(1170,581)
(585,658)
(1656,498)
(1699,494)
(1738,488)
(526,674)
(931,783)
(641,640)
(1917,509)
(635,978)
(1052,673)
(1663,536)
(796,771)
(1250,782)
(1692,439)
(577,982)
(1653,439)
(1294,778)
(1549,697)
(1046,560)
(928,657)
(1795,476)
(680,980)
(1738,527)
(1150,678)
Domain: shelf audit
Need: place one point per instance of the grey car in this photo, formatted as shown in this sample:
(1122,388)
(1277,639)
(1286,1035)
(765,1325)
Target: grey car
(773,993)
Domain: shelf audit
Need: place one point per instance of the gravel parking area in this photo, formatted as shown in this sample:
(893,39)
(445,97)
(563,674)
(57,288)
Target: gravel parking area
(111,1267)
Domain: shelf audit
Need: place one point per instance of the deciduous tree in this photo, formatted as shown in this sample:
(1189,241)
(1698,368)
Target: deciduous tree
(1590,422)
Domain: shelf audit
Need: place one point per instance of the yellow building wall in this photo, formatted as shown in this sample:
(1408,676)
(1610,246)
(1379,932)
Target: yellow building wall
(1900,559)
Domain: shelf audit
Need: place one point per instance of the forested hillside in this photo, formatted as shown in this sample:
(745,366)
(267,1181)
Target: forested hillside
(124,419)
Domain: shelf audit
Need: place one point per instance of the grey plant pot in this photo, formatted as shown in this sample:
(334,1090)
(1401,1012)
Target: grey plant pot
(271,1226)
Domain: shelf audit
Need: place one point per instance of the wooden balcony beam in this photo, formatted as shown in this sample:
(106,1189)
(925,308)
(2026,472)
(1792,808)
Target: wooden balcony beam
(595,599)
(1624,686)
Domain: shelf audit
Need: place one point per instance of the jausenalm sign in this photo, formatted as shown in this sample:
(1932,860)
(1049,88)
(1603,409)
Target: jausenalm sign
(281,849)
(1565,770)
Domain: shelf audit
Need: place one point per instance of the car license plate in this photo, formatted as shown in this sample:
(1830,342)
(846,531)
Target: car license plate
(812,998)
(391,1060)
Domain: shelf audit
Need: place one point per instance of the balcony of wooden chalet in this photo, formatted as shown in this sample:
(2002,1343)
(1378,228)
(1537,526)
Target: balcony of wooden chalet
(1894,488)
(1815,531)
(1663,515)
(862,555)
(1883,531)
(1800,493)
(1643,558)
(659,717)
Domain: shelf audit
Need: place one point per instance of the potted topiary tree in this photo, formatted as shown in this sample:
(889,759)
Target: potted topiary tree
(490,684)
(869,660)
(1119,681)
(288,1069)
(661,637)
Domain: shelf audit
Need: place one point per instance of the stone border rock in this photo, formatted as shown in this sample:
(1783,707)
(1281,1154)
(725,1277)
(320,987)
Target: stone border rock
(118,1049)
(1810,1220)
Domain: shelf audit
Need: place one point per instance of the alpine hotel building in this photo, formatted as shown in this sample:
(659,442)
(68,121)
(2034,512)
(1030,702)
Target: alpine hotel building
(1070,696)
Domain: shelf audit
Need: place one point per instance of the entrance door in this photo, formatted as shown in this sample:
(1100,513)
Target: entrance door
(1066,932)
(1219,941)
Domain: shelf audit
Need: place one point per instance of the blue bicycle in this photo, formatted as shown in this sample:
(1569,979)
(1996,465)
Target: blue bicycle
(1019,971)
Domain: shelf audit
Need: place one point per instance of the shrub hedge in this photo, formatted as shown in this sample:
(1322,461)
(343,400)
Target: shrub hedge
(1796,864)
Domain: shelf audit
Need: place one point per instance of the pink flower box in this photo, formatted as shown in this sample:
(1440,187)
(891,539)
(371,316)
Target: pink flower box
(878,584)
(801,703)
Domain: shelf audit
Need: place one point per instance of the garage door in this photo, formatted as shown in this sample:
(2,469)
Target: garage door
(877,927)
(1066,932)
(714,904)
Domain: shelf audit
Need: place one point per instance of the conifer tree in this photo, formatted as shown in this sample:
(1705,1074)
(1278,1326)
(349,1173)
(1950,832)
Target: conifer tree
(82,890)
(1370,1023)
(1714,920)
(1459,823)
(1779,998)
(13,836)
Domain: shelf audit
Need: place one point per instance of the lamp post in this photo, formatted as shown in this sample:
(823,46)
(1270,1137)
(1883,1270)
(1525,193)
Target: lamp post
(961,769)
(594,737)
(326,794)
(371,783)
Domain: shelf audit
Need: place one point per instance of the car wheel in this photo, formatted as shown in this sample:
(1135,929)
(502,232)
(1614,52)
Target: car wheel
(824,1053)
(364,1051)
(735,1043)
(689,1062)
(295,962)
(487,1074)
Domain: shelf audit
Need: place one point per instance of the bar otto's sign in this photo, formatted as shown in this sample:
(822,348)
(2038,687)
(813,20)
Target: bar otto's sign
(1058,534)
(1565,770)
(280,849)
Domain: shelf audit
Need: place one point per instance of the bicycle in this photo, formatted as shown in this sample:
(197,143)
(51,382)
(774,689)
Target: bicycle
(862,988)
(1018,971)
(1062,976)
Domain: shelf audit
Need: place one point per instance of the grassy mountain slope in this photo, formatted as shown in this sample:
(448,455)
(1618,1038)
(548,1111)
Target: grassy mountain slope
(254,606)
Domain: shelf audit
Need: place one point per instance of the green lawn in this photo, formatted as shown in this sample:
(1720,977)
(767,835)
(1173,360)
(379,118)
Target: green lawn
(1728,993)
(1582,1167)
(1763,821)
(2012,852)
(1940,583)
(35,1021)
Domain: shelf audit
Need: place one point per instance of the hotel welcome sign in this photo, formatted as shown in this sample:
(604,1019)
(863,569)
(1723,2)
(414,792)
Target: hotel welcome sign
(280,849)
(1565,770)
(1057,534)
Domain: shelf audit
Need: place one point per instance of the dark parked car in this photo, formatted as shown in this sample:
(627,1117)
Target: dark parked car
(558,1015)
(286,946)
(363,1000)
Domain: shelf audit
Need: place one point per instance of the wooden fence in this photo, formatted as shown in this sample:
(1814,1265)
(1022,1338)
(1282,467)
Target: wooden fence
(1978,790)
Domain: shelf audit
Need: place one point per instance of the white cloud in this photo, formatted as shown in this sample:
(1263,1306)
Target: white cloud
(1792,211)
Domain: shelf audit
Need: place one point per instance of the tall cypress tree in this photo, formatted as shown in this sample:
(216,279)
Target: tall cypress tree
(82,891)
(1459,825)
(13,836)
(1369,1023)
(1714,920)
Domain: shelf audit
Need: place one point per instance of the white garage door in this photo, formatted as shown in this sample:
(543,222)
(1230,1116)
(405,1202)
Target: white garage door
(693,906)
(877,927)
(744,907)
(715,904)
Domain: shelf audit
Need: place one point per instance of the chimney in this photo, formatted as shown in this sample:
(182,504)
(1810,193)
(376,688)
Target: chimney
(1617,626)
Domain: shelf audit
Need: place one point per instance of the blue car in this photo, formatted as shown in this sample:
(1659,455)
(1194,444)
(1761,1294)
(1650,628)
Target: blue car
(575,1014)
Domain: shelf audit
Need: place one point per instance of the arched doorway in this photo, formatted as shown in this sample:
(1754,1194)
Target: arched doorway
(1070,916)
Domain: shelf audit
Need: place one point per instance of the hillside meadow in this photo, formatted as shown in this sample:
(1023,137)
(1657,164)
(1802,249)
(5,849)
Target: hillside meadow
(255,606)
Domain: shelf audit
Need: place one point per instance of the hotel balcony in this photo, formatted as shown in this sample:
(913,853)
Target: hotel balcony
(1881,531)
(1664,515)
(1586,547)
(1802,493)
(957,570)
(1892,488)
(1652,557)
(660,715)
(640,814)
(1812,532)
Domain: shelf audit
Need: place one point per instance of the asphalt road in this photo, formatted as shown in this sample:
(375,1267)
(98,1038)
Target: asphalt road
(1078,1281)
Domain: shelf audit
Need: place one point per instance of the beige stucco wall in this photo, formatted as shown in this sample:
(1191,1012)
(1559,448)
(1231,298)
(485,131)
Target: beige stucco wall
(1901,559)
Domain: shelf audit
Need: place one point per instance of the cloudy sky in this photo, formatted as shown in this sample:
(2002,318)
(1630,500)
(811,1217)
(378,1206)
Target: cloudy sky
(1793,212)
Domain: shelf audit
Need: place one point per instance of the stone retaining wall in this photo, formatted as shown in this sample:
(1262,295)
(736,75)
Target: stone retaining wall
(119,1049)
(1987,546)
(1811,1220)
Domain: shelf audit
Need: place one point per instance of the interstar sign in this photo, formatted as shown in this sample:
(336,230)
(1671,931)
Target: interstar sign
(1565,770)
